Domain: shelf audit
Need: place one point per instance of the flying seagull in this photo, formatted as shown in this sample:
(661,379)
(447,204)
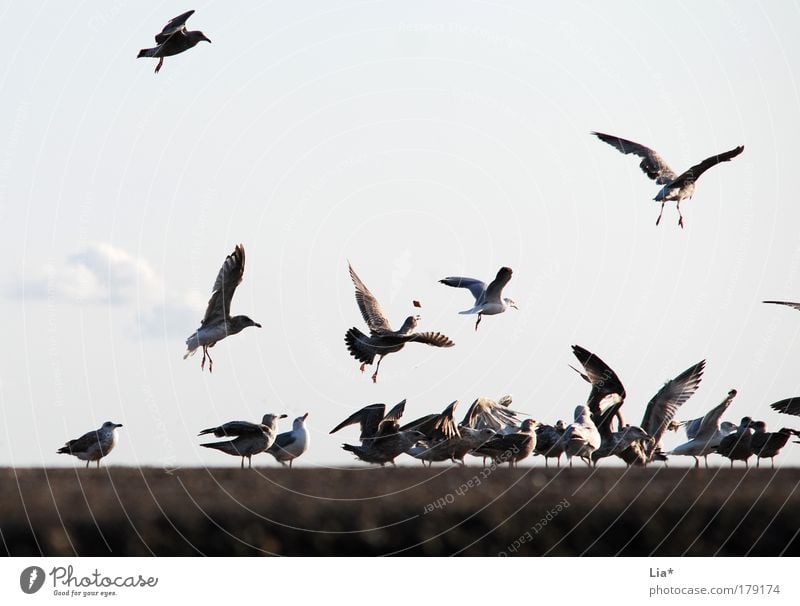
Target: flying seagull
(489,299)
(786,303)
(607,389)
(173,39)
(789,406)
(382,340)
(218,322)
(249,438)
(94,445)
(291,444)
(675,187)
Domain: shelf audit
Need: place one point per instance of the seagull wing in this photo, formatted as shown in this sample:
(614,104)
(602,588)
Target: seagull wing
(371,310)
(176,25)
(228,278)
(787,303)
(789,406)
(234,428)
(710,423)
(436,339)
(665,403)
(494,292)
(368,418)
(485,412)
(652,164)
(476,287)
(698,169)
(86,441)
(603,379)
(283,440)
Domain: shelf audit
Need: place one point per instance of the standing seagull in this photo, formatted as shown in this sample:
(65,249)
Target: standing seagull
(94,445)
(173,39)
(382,340)
(218,322)
(291,444)
(251,438)
(705,433)
(489,300)
(676,187)
(581,438)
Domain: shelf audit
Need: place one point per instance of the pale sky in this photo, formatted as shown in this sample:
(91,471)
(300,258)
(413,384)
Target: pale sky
(418,140)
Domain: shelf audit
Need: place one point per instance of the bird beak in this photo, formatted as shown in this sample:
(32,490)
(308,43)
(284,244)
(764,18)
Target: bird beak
(206,39)
(118,425)
(305,416)
(514,305)
(256,324)
(283,416)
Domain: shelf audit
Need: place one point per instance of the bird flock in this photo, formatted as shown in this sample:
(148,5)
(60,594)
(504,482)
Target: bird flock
(489,430)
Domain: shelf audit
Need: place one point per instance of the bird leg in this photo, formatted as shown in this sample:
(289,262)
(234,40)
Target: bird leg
(362,367)
(661,213)
(375,374)
(203,361)
(758,461)
(242,463)
(249,461)
(680,216)
(87,464)
(697,463)
(772,460)
(480,317)
(160,63)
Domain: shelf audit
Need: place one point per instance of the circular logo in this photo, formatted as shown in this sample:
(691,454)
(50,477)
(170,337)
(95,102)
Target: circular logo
(31,579)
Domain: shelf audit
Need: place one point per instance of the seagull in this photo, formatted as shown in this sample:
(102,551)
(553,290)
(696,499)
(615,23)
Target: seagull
(442,437)
(607,389)
(705,433)
(767,445)
(659,412)
(581,438)
(173,39)
(382,441)
(548,441)
(737,446)
(382,340)
(94,445)
(291,444)
(251,438)
(218,322)
(786,303)
(511,447)
(675,187)
(615,443)
(489,300)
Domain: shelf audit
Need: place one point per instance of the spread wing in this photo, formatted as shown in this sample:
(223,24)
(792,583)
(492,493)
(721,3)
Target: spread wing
(665,403)
(176,25)
(789,406)
(228,278)
(787,303)
(710,422)
(698,169)
(437,426)
(485,412)
(494,292)
(436,339)
(368,418)
(652,164)
(603,379)
(371,310)
(476,287)
(390,423)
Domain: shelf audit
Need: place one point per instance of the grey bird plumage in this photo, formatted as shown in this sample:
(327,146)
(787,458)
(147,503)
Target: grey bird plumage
(93,445)
(249,438)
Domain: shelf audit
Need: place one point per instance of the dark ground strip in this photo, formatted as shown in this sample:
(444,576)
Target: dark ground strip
(406,511)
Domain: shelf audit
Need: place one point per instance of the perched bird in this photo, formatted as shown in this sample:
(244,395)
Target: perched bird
(218,322)
(94,445)
(382,441)
(291,444)
(675,187)
(250,438)
(173,39)
(511,447)
(616,443)
(737,446)
(581,438)
(705,433)
(489,299)
(659,413)
(442,437)
(767,445)
(382,340)
(548,441)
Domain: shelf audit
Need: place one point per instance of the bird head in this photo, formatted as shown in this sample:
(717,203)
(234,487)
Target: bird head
(196,37)
(110,425)
(410,324)
(239,323)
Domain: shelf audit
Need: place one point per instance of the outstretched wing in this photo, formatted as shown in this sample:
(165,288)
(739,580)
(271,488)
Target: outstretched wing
(368,418)
(436,339)
(476,287)
(603,379)
(789,406)
(228,278)
(494,292)
(437,426)
(178,24)
(710,422)
(652,164)
(787,303)
(485,412)
(665,403)
(698,169)
(371,310)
